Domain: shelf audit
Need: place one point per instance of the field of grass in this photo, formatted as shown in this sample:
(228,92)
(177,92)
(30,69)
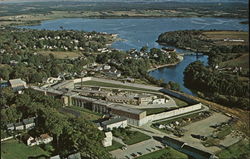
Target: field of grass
(135,138)
(239,150)
(105,84)
(151,111)
(242,61)
(169,152)
(130,137)
(12,149)
(61,54)
(221,35)
(179,103)
(115,146)
(87,114)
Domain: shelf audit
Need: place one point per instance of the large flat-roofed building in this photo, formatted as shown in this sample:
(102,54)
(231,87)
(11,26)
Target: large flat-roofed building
(115,123)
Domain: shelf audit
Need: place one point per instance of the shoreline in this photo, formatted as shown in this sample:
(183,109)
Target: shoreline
(166,65)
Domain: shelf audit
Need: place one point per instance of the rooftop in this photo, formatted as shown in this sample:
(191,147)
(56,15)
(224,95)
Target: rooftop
(29,120)
(112,121)
(126,109)
(17,82)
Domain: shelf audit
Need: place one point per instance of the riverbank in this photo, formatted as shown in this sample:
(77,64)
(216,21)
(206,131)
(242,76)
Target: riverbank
(166,65)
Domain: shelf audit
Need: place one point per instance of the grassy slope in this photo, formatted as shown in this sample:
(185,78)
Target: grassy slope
(171,152)
(234,151)
(11,149)
(115,146)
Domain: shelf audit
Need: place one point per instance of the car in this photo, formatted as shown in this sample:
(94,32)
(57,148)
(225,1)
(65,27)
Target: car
(124,148)
(127,157)
(159,147)
(153,148)
(149,149)
(139,153)
(134,155)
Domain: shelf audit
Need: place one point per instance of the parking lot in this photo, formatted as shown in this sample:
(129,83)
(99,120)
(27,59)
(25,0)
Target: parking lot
(138,149)
(203,128)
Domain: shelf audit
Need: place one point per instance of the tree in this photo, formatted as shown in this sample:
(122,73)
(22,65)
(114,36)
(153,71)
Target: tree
(54,122)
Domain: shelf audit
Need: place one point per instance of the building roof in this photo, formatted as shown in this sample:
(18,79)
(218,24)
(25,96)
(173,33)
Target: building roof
(17,82)
(19,124)
(29,120)
(112,121)
(55,157)
(75,156)
(44,136)
(126,109)
(10,125)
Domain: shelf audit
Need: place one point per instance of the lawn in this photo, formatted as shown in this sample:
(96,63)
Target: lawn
(130,137)
(239,150)
(61,54)
(115,146)
(11,149)
(170,153)
(85,113)
(151,111)
(241,61)
(179,103)
(136,138)
(105,84)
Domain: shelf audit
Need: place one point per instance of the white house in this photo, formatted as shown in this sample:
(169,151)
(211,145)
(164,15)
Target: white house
(19,126)
(42,139)
(106,67)
(107,141)
(115,123)
(29,123)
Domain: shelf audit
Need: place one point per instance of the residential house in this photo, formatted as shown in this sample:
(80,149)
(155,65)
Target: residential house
(19,126)
(55,157)
(29,123)
(17,85)
(74,156)
(42,139)
(10,126)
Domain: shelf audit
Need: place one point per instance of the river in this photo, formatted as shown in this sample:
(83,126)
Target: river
(138,32)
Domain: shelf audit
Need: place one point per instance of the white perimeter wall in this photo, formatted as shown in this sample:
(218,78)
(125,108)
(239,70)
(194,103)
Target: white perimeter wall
(173,112)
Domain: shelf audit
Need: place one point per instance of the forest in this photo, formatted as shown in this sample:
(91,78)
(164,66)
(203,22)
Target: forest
(220,87)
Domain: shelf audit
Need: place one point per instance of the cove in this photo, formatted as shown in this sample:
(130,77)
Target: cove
(138,32)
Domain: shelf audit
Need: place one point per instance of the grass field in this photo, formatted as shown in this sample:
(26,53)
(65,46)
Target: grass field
(151,111)
(61,54)
(12,149)
(105,84)
(87,114)
(221,35)
(239,150)
(171,153)
(115,146)
(242,61)
(135,138)
(179,103)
